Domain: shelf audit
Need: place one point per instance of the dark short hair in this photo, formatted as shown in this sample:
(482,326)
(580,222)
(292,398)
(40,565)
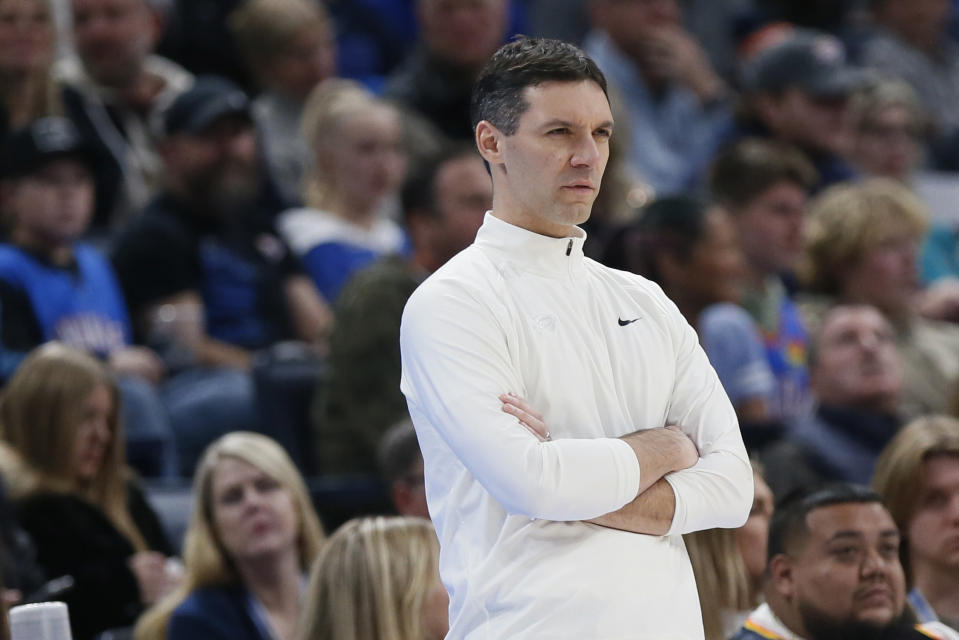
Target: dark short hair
(398,450)
(418,195)
(673,225)
(746,170)
(526,62)
(788,528)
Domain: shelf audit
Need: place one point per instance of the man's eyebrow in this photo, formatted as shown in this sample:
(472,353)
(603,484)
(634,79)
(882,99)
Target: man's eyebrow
(606,124)
(858,534)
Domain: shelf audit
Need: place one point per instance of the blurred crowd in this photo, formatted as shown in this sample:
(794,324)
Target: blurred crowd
(212,213)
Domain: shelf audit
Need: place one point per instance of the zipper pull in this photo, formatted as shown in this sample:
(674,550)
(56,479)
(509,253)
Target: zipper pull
(569,247)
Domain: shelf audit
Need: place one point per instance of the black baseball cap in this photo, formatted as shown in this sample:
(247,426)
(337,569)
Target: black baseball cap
(29,148)
(209,99)
(812,61)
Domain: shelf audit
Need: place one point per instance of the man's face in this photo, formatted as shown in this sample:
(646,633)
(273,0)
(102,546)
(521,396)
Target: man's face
(463,196)
(547,174)
(847,571)
(113,38)
(26,35)
(53,205)
(933,531)
(857,363)
(770,227)
(464,33)
(633,24)
(818,125)
(215,169)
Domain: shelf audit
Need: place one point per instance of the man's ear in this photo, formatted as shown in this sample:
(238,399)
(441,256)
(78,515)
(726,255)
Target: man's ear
(489,141)
(781,575)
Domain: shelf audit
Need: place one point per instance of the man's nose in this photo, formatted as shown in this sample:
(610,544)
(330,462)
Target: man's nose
(586,153)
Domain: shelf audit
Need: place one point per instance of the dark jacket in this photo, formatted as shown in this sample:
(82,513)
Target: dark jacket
(215,613)
(74,537)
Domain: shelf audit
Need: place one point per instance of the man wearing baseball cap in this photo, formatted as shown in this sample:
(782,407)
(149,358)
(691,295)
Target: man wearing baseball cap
(797,91)
(203,269)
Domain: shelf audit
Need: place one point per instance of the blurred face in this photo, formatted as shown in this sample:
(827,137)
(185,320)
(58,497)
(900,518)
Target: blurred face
(933,530)
(848,569)
(819,125)
(751,538)
(887,144)
(309,59)
(26,35)
(52,206)
(714,270)
(215,169)
(547,173)
(253,514)
(857,362)
(93,434)
(886,275)
(770,228)
(630,23)
(436,612)
(464,194)
(464,33)
(365,159)
(113,38)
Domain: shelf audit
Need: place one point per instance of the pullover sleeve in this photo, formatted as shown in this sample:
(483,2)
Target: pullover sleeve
(455,365)
(718,490)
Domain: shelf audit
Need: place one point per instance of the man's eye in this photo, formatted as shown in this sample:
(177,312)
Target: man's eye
(604,133)
(559,131)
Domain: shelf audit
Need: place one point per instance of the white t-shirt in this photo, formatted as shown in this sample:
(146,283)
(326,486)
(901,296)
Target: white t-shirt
(601,353)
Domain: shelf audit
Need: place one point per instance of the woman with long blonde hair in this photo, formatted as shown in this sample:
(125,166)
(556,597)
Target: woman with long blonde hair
(27,47)
(72,492)
(377,579)
(358,167)
(252,537)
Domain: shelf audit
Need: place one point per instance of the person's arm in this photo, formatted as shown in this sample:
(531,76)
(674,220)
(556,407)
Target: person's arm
(180,318)
(312,318)
(659,451)
(456,363)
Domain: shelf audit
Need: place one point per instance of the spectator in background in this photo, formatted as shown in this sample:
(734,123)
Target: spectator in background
(674,101)
(204,273)
(690,249)
(861,247)
(797,90)
(729,565)
(114,95)
(444,202)
(834,572)
(252,536)
(856,380)
(401,465)
(288,45)
(74,496)
(918,478)
(912,44)
(54,287)
(457,38)
(764,186)
(377,577)
(358,167)
(888,123)
(27,44)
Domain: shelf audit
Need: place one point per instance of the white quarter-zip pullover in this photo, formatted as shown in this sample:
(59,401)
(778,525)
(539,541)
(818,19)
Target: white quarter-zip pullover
(601,353)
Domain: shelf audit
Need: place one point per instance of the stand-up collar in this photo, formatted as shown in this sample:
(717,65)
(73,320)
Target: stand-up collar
(526,250)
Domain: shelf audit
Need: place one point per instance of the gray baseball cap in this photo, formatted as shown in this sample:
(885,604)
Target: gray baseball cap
(812,61)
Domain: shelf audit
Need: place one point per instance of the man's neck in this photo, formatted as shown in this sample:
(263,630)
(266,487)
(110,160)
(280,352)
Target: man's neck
(940,587)
(59,253)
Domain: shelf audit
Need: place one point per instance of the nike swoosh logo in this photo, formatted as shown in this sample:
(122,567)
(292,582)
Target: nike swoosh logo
(623,323)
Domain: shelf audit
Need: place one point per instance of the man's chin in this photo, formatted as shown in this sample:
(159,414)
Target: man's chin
(875,624)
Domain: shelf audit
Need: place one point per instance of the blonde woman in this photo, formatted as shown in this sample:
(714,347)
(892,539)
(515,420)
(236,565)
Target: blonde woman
(72,492)
(917,476)
(26,54)
(729,566)
(377,579)
(358,167)
(252,537)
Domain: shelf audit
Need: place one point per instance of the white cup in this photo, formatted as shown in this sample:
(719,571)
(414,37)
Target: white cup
(41,621)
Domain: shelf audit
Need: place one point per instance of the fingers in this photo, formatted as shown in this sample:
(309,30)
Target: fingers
(527,416)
